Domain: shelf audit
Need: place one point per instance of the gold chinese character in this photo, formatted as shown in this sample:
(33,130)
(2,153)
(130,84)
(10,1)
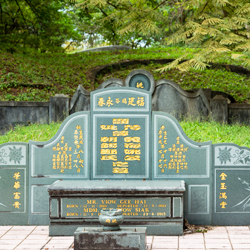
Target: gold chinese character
(131,101)
(16,185)
(109,158)
(223,195)
(124,101)
(117,100)
(107,220)
(223,186)
(16,176)
(139,85)
(109,102)
(223,176)
(101,102)
(140,101)
(17,204)
(16,195)
(223,204)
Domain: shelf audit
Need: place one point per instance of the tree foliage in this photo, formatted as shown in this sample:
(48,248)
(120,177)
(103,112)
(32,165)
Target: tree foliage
(38,24)
(124,21)
(216,26)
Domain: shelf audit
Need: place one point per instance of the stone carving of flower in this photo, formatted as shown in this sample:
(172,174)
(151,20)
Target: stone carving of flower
(15,154)
(224,155)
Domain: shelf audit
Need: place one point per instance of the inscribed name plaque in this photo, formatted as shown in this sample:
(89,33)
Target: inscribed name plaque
(14,184)
(121,121)
(232,184)
(131,207)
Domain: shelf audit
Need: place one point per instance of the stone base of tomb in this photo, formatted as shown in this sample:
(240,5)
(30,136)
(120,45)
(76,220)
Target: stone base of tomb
(94,238)
(157,205)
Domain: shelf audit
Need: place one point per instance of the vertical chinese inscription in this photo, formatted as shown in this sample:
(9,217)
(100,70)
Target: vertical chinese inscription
(162,142)
(62,158)
(66,157)
(78,152)
(176,157)
(223,188)
(16,192)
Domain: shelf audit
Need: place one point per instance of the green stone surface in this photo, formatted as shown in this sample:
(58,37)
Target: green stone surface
(65,156)
(121,124)
(14,172)
(232,185)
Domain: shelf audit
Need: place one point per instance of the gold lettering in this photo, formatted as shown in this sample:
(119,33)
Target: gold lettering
(91,202)
(140,101)
(223,195)
(223,176)
(120,133)
(120,164)
(120,121)
(17,204)
(132,145)
(132,139)
(223,186)
(17,185)
(139,85)
(109,102)
(16,195)
(109,158)
(120,170)
(223,204)
(101,102)
(132,158)
(131,101)
(16,176)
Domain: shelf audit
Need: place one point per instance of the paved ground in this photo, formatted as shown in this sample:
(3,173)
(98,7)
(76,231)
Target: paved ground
(37,238)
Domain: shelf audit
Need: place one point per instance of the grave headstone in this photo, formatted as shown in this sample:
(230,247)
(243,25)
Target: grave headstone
(232,185)
(140,79)
(14,172)
(65,156)
(121,124)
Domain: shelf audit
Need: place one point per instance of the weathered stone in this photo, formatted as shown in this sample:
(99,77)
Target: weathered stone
(239,113)
(80,100)
(113,82)
(172,99)
(22,113)
(96,239)
(219,109)
(58,108)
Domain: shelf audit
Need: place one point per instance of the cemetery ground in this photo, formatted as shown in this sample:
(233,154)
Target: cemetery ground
(36,237)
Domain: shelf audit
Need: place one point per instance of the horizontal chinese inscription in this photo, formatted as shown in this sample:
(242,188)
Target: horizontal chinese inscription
(134,207)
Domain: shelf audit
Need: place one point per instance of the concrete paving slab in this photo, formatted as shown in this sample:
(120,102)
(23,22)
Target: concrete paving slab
(37,238)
